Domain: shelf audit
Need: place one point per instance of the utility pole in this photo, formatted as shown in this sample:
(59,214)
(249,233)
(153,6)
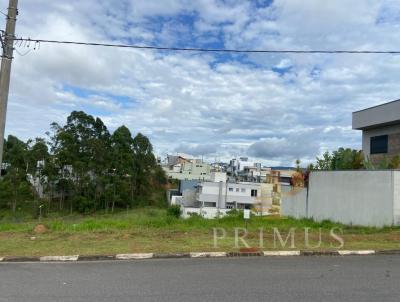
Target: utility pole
(6,59)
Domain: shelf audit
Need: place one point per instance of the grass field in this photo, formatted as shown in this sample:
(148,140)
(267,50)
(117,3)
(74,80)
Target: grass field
(152,230)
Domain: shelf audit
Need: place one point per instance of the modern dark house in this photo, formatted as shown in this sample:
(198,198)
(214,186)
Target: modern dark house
(380,127)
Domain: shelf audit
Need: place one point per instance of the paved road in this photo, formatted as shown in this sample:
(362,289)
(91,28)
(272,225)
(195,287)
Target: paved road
(366,278)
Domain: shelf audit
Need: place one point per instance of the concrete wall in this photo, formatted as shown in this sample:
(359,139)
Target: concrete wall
(352,197)
(188,185)
(209,213)
(218,176)
(294,203)
(378,115)
(396,198)
(189,198)
(394,145)
(369,198)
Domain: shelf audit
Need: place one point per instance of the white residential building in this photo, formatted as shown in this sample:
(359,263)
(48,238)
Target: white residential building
(237,165)
(226,195)
(187,169)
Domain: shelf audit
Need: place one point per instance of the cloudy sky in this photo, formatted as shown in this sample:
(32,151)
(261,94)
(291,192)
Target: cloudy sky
(275,108)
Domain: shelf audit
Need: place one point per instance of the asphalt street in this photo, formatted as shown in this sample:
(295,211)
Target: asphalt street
(362,278)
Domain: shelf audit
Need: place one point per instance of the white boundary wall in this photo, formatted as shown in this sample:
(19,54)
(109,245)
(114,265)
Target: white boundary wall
(206,212)
(369,198)
(294,204)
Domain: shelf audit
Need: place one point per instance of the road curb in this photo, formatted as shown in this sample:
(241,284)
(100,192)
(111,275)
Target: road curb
(363,252)
(96,257)
(59,258)
(137,256)
(281,253)
(388,252)
(21,259)
(144,256)
(207,254)
(170,256)
(319,253)
(245,254)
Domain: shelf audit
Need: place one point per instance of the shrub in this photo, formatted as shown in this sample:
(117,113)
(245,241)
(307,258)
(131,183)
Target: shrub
(235,213)
(174,211)
(83,204)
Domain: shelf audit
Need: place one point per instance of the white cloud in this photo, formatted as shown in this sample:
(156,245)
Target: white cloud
(202,103)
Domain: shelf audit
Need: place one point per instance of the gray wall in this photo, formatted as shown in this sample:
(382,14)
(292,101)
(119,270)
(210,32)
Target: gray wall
(294,204)
(378,115)
(367,134)
(369,198)
(188,185)
(396,197)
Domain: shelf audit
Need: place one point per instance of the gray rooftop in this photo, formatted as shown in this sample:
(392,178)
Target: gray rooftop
(377,116)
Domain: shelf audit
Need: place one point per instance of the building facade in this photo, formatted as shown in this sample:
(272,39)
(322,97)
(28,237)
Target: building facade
(226,195)
(194,169)
(380,126)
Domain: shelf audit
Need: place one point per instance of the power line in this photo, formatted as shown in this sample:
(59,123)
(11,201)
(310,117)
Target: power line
(215,50)
(23,54)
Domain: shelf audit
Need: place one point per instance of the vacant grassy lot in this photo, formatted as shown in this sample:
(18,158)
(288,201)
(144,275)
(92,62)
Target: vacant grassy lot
(152,230)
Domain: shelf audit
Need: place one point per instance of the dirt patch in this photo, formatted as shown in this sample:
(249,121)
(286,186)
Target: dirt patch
(40,229)
(126,236)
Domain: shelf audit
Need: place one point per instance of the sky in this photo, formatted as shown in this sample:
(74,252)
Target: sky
(274,108)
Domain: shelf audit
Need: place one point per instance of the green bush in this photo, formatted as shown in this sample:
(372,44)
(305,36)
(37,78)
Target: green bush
(83,204)
(174,211)
(235,213)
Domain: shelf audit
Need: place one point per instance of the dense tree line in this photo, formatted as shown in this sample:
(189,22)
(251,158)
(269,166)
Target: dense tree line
(341,159)
(82,167)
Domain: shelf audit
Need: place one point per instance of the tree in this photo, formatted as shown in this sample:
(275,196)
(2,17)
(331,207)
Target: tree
(324,163)
(347,159)
(15,153)
(123,164)
(84,145)
(144,164)
(38,152)
(342,159)
(298,162)
(122,151)
(16,188)
(81,163)
(15,185)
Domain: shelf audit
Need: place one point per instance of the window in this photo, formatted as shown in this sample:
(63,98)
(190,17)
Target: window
(237,189)
(210,204)
(379,144)
(230,189)
(254,193)
(230,205)
(243,190)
